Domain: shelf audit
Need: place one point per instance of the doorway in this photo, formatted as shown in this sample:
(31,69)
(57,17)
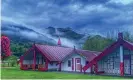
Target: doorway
(78,64)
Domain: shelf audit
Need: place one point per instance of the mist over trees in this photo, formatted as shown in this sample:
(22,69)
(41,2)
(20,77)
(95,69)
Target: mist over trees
(93,42)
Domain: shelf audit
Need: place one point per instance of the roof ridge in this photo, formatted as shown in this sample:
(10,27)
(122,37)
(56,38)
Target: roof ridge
(89,50)
(53,45)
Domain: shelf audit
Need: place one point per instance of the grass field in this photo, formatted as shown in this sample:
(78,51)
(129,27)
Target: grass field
(16,73)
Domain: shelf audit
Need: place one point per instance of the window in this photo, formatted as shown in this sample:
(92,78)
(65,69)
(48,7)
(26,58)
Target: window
(69,63)
(51,63)
(78,61)
(87,62)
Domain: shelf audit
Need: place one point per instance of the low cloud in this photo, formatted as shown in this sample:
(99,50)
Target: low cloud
(35,34)
(94,16)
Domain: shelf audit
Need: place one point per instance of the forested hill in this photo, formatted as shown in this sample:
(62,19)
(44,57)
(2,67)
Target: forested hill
(99,43)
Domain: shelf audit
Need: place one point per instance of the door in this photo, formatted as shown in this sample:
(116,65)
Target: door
(77,64)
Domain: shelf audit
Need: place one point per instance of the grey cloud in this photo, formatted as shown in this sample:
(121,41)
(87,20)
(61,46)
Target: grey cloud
(98,15)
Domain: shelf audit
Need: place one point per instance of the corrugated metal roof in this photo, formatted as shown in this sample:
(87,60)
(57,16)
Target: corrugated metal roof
(58,53)
(90,55)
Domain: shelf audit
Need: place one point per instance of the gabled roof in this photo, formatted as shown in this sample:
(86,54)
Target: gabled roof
(54,53)
(58,53)
(129,45)
(90,55)
(110,49)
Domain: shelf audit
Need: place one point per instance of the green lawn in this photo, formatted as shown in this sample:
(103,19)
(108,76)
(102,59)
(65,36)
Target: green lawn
(16,73)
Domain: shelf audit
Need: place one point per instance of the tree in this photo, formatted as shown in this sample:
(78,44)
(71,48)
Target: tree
(96,43)
(12,60)
(127,36)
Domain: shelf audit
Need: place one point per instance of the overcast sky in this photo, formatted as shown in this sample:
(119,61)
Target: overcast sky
(91,16)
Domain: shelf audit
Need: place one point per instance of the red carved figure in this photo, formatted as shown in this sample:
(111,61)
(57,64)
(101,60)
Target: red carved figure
(5,47)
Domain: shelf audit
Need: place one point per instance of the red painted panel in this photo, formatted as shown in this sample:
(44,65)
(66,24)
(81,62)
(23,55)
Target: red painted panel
(59,42)
(121,68)
(46,64)
(34,60)
(72,63)
(59,66)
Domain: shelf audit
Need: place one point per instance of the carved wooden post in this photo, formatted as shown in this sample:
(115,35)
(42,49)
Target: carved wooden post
(34,58)
(96,68)
(121,61)
(59,66)
(46,64)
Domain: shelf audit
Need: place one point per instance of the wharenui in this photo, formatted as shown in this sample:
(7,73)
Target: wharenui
(117,59)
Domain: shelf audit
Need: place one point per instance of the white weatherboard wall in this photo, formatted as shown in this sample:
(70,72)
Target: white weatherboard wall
(38,61)
(53,66)
(127,51)
(110,63)
(64,66)
(27,61)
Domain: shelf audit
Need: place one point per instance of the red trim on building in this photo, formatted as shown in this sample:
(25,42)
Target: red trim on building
(34,60)
(128,45)
(22,66)
(75,64)
(104,53)
(46,64)
(121,68)
(32,48)
(46,56)
(96,68)
(72,64)
(59,42)
(22,57)
(119,42)
(59,66)
(80,68)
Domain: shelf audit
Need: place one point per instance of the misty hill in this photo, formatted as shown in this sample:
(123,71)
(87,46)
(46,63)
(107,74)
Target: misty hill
(21,33)
(22,37)
(65,33)
(24,34)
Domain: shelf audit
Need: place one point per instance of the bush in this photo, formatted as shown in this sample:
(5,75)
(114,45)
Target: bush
(12,60)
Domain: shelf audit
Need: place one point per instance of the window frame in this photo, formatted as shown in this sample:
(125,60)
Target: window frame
(69,63)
